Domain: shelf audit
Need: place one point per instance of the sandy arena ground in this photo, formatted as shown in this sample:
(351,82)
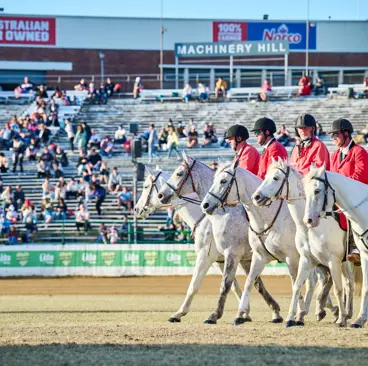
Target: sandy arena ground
(123,321)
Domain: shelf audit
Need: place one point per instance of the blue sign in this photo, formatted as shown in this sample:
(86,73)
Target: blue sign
(294,33)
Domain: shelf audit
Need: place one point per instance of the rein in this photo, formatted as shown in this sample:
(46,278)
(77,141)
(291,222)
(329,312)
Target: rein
(153,185)
(325,199)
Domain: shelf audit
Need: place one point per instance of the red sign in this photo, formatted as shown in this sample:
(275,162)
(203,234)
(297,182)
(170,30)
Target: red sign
(27,30)
(229,31)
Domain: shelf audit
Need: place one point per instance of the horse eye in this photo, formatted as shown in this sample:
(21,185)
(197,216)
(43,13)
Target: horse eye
(276,178)
(317,191)
(146,187)
(223,181)
(179,174)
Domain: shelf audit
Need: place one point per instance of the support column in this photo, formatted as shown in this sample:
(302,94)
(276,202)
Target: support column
(286,67)
(186,76)
(341,77)
(212,80)
(176,73)
(238,78)
(231,70)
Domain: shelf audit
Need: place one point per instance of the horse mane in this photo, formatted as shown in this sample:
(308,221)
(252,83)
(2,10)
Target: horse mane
(313,172)
(222,167)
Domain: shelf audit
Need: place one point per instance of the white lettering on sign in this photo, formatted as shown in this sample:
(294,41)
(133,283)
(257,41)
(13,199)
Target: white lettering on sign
(5,259)
(47,258)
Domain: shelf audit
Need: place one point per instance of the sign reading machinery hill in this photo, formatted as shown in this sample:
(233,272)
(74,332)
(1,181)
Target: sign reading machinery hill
(231,49)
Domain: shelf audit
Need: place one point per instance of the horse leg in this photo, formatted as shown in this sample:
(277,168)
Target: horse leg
(231,264)
(260,287)
(336,274)
(203,263)
(235,287)
(362,317)
(305,267)
(257,266)
(348,284)
(310,287)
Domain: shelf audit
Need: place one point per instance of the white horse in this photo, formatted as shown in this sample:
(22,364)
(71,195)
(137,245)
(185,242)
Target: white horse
(271,230)
(324,245)
(204,246)
(229,231)
(322,190)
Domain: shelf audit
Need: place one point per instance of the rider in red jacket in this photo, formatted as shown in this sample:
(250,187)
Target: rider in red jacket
(308,149)
(350,160)
(264,129)
(247,154)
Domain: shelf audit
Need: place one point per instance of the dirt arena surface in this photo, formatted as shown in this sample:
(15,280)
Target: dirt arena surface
(123,321)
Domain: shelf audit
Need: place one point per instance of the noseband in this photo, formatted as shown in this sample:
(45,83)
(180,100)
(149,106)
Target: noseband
(325,199)
(153,186)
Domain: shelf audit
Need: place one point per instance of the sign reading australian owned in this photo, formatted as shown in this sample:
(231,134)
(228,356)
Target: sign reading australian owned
(231,49)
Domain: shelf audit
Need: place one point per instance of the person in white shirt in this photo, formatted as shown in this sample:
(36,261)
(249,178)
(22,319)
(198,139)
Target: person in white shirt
(95,140)
(119,137)
(69,129)
(187,93)
(82,219)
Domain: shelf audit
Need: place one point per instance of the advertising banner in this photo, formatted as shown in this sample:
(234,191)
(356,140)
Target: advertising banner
(230,49)
(27,31)
(294,33)
(229,31)
(101,260)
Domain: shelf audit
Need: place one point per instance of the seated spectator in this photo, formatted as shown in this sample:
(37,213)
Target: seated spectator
(58,169)
(4,225)
(72,189)
(319,130)
(12,214)
(209,135)
(25,88)
(47,158)
(125,198)
(192,137)
(3,163)
(32,126)
(31,228)
(106,147)
(172,143)
(169,231)
(82,164)
(6,135)
(13,238)
(47,211)
(283,136)
(213,165)
(266,88)
(82,219)
(47,189)
(320,88)
(202,92)
(18,197)
(115,182)
(182,233)
(162,138)
(221,86)
(119,137)
(104,173)
(44,134)
(81,86)
(101,95)
(60,189)
(31,152)
(113,235)
(58,94)
(61,157)
(95,140)
(61,211)
(99,193)
(109,87)
(137,88)
(94,160)
(42,92)
(180,130)
(124,229)
(7,195)
(305,86)
(27,208)
(81,139)
(187,93)
(53,110)
(224,142)
(102,234)
(42,170)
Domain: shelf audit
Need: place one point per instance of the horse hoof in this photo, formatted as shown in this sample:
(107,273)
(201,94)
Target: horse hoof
(290,323)
(340,325)
(247,319)
(321,315)
(277,320)
(355,326)
(299,323)
(174,320)
(210,321)
(239,321)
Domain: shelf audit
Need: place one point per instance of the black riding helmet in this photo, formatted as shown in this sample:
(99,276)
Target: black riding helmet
(237,131)
(341,124)
(304,120)
(265,124)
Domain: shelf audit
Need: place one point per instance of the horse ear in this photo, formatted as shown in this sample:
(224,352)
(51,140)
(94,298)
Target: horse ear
(185,157)
(157,169)
(148,171)
(281,162)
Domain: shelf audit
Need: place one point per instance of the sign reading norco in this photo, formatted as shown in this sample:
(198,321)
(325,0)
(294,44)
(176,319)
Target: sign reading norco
(231,49)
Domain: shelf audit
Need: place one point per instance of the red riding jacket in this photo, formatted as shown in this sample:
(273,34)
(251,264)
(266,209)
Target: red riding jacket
(273,150)
(248,158)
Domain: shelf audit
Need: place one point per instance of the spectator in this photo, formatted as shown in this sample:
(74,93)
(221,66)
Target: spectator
(319,130)
(42,92)
(137,88)
(106,147)
(224,143)
(221,86)
(99,192)
(125,198)
(18,153)
(58,94)
(94,161)
(81,86)
(320,87)
(6,135)
(25,88)
(19,197)
(47,158)
(305,86)
(7,195)
(209,135)
(102,95)
(95,140)
(72,189)
(61,210)
(44,134)
(61,157)
(58,170)
(3,163)
(182,233)
(104,173)
(82,164)
(42,170)
(102,234)
(266,88)
(113,235)
(202,92)
(124,229)
(30,222)
(114,181)
(53,114)
(12,214)
(173,142)
(4,225)
(169,231)
(69,129)
(119,137)
(213,165)
(47,211)
(192,137)
(60,190)
(88,132)
(152,141)
(109,87)
(31,152)
(162,138)
(80,139)
(283,136)
(187,93)
(13,238)
(82,219)
(180,130)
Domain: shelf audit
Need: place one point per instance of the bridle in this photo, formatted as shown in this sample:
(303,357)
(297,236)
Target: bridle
(188,174)
(327,185)
(153,186)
